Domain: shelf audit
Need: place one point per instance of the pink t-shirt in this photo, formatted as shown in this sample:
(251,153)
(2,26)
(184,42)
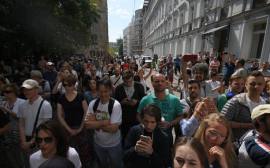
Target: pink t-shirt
(214,65)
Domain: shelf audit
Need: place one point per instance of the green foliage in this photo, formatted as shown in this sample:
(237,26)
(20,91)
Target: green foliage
(121,49)
(112,51)
(46,26)
(119,41)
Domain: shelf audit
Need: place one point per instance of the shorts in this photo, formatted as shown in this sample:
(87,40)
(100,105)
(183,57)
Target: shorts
(226,79)
(171,79)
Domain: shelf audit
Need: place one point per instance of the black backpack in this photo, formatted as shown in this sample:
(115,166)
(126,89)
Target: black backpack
(237,145)
(110,108)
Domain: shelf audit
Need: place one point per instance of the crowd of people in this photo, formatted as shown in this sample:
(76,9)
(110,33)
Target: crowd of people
(100,112)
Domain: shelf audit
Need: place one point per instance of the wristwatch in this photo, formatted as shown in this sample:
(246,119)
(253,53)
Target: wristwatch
(171,123)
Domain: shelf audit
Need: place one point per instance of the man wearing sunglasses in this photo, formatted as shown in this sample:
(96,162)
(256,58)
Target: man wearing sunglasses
(28,111)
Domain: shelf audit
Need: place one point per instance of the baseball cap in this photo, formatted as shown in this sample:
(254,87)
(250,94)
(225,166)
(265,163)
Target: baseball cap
(29,84)
(260,110)
(57,162)
(49,63)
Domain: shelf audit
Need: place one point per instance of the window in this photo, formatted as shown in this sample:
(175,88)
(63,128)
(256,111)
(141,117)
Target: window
(257,40)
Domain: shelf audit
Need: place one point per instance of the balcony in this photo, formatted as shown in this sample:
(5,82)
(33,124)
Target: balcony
(190,27)
(224,13)
(259,3)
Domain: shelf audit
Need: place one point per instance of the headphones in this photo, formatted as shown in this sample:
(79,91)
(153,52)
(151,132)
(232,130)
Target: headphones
(229,95)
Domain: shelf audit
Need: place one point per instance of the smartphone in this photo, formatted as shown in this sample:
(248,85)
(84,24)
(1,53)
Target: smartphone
(211,96)
(191,58)
(144,138)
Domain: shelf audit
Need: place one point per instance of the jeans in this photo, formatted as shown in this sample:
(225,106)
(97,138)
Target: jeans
(177,67)
(110,156)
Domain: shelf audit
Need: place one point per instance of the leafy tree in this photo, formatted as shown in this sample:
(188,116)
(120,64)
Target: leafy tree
(45,26)
(112,51)
(121,49)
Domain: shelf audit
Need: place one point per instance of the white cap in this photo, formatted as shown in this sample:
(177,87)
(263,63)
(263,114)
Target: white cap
(29,84)
(260,110)
(49,63)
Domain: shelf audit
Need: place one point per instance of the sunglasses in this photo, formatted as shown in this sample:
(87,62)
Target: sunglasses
(7,91)
(69,85)
(47,140)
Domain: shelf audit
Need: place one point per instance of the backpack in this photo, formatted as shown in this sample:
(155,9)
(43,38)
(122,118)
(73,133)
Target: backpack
(43,85)
(110,107)
(237,145)
(51,88)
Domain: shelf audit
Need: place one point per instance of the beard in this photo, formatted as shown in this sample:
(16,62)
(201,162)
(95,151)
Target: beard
(192,95)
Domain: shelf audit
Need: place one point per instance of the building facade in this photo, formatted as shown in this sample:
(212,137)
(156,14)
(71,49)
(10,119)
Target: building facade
(99,34)
(188,26)
(128,36)
(138,37)
(113,45)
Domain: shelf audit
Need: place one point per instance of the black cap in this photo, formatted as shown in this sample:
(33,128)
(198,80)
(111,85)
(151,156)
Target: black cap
(57,162)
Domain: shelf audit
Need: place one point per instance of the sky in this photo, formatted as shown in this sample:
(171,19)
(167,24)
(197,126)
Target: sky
(120,13)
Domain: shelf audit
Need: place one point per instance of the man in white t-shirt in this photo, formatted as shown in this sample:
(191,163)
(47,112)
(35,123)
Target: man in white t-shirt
(116,79)
(27,113)
(52,141)
(217,87)
(264,69)
(105,117)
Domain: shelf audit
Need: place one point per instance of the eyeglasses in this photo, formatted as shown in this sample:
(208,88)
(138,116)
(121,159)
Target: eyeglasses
(69,85)
(47,140)
(7,91)
(213,135)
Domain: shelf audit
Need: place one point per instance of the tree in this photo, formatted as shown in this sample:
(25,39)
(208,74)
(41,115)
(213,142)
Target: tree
(121,49)
(46,26)
(112,51)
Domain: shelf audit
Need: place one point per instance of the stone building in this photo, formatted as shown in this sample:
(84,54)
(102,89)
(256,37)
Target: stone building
(188,26)
(99,34)
(128,37)
(137,42)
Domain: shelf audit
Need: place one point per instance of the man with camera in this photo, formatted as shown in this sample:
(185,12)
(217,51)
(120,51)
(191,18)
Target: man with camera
(200,72)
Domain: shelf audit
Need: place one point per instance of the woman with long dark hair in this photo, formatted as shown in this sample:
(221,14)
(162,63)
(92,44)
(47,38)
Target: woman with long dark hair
(52,140)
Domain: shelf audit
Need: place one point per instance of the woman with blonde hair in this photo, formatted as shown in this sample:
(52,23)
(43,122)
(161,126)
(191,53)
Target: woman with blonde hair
(215,134)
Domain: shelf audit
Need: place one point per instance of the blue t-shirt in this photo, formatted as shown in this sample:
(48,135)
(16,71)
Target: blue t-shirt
(177,61)
(50,76)
(250,69)
(229,69)
(170,106)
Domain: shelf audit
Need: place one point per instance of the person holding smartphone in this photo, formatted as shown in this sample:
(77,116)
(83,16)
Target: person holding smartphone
(146,144)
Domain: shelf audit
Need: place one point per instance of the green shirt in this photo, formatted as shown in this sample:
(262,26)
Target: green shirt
(222,101)
(170,107)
